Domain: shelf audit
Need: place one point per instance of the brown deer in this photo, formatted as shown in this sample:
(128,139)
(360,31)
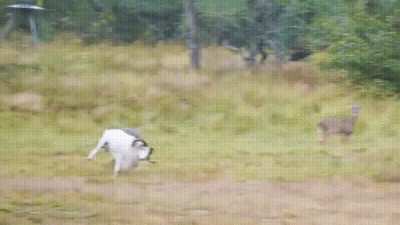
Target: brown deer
(338,125)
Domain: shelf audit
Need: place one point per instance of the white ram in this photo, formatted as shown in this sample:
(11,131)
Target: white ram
(125,146)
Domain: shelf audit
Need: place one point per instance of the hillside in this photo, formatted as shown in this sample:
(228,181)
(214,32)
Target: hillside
(223,121)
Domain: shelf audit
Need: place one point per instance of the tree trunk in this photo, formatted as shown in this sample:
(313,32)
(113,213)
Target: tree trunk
(9,26)
(32,25)
(193,36)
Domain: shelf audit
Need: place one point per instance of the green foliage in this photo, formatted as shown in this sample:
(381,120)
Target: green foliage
(150,20)
(116,20)
(369,50)
(3,16)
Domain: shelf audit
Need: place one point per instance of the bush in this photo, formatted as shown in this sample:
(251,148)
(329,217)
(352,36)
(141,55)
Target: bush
(370,51)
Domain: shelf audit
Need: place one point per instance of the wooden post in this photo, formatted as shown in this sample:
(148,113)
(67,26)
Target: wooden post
(32,24)
(193,36)
(26,11)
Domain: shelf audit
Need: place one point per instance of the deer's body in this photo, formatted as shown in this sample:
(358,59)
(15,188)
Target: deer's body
(338,126)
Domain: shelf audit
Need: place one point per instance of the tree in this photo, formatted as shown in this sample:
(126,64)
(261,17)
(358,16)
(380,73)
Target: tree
(193,42)
(269,26)
(369,49)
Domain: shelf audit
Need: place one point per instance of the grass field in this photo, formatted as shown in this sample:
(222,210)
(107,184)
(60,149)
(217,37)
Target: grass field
(225,122)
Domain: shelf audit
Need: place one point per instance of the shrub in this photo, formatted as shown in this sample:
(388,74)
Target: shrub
(370,51)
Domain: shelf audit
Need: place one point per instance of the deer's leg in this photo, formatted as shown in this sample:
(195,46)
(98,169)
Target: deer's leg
(322,136)
(345,138)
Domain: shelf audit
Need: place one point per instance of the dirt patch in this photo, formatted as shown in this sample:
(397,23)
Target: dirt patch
(228,202)
(25,101)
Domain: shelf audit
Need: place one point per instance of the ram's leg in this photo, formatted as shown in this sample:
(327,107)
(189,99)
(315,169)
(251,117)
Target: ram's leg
(92,154)
(117,165)
(100,145)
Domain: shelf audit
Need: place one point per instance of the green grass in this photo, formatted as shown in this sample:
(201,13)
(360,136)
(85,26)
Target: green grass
(223,121)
